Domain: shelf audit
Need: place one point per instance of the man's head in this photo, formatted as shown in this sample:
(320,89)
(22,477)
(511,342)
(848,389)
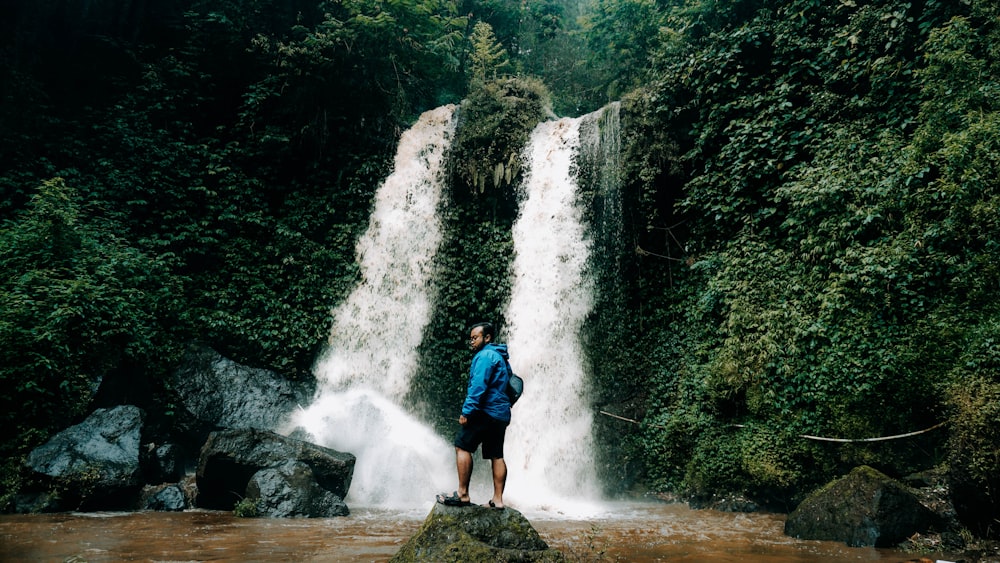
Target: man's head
(480,335)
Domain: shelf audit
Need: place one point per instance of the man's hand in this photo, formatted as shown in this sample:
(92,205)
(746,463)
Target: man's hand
(462,420)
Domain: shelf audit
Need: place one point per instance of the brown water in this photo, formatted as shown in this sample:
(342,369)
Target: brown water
(633,532)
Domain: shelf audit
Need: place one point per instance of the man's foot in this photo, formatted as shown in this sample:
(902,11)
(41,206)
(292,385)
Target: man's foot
(494,505)
(453,500)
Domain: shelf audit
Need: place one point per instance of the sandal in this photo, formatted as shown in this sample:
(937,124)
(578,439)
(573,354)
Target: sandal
(452,500)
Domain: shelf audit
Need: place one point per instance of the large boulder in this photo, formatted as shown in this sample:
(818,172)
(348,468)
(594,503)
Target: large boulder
(231,458)
(863,509)
(290,490)
(475,533)
(93,465)
(215,393)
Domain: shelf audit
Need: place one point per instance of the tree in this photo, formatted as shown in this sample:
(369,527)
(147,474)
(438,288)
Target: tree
(488,56)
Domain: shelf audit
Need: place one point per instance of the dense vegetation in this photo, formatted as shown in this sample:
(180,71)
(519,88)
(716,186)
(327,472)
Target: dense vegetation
(811,212)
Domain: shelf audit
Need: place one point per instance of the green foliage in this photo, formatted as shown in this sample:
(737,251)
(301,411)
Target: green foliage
(809,189)
(621,37)
(839,198)
(731,460)
(974,445)
(246,508)
(495,123)
(386,56)
(487,56)
(76,303)
(552,45)
(472,286)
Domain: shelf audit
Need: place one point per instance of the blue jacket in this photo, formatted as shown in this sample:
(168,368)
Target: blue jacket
(488,376)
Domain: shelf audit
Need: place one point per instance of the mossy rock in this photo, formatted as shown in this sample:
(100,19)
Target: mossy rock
(495,123)
(475,533)
(863,509)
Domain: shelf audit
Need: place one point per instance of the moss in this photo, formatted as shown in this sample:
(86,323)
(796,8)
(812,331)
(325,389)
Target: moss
(476,534)
(495,123)
(865,508)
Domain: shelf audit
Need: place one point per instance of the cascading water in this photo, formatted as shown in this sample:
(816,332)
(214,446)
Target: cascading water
(550,447)
(365,372)
(371,353)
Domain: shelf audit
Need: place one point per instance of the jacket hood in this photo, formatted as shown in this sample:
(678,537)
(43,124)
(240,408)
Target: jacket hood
(500,349)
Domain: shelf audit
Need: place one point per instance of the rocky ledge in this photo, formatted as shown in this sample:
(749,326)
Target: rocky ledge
(475,533)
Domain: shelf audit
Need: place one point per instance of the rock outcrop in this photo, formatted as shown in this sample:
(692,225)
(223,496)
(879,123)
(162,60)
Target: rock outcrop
(290,490)
(863,509)
(224,419)
(475,533)
(93,465)
(215,393)
(290,477)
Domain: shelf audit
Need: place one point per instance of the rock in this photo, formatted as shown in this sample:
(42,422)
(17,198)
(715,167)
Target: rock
(93,465)
(169,498)
(290,490)
(230,458)
(863,509)
(215,393)
(475,533)
(162,463)
(33,502)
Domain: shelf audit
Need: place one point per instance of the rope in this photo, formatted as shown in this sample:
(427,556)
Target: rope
(808,437)
(633,421)
(850,440)
(643,252)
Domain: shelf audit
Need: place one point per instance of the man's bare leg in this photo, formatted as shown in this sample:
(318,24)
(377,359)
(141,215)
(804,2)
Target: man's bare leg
(499,467)
(463,460)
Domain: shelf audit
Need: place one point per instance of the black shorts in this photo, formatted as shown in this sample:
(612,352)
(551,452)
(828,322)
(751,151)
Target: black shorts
(482,429)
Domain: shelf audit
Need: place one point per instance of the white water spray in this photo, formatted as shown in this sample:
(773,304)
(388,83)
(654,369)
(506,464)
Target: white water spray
(371,354)
(550,449)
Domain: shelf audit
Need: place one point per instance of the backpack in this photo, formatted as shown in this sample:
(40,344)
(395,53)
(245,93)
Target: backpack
(515,386)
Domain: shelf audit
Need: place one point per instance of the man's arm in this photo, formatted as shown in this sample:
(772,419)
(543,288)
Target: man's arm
(478,377)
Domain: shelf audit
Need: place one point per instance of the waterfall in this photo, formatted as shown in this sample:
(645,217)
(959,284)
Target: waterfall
(601,165)
(364,373)
(549,447)
(371,353)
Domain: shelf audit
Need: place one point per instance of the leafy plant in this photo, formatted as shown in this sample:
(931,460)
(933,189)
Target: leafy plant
(77,303)
(246,508)
(495,122)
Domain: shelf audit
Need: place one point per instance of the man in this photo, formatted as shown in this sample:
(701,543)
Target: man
(485,416)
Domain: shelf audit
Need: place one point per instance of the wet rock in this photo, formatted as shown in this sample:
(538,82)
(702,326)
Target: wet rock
(475,533)
(290,490)
(33,502)
(162,463)
(93,465)
(215,393)
(864,509)
(230,458)
(168,498)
